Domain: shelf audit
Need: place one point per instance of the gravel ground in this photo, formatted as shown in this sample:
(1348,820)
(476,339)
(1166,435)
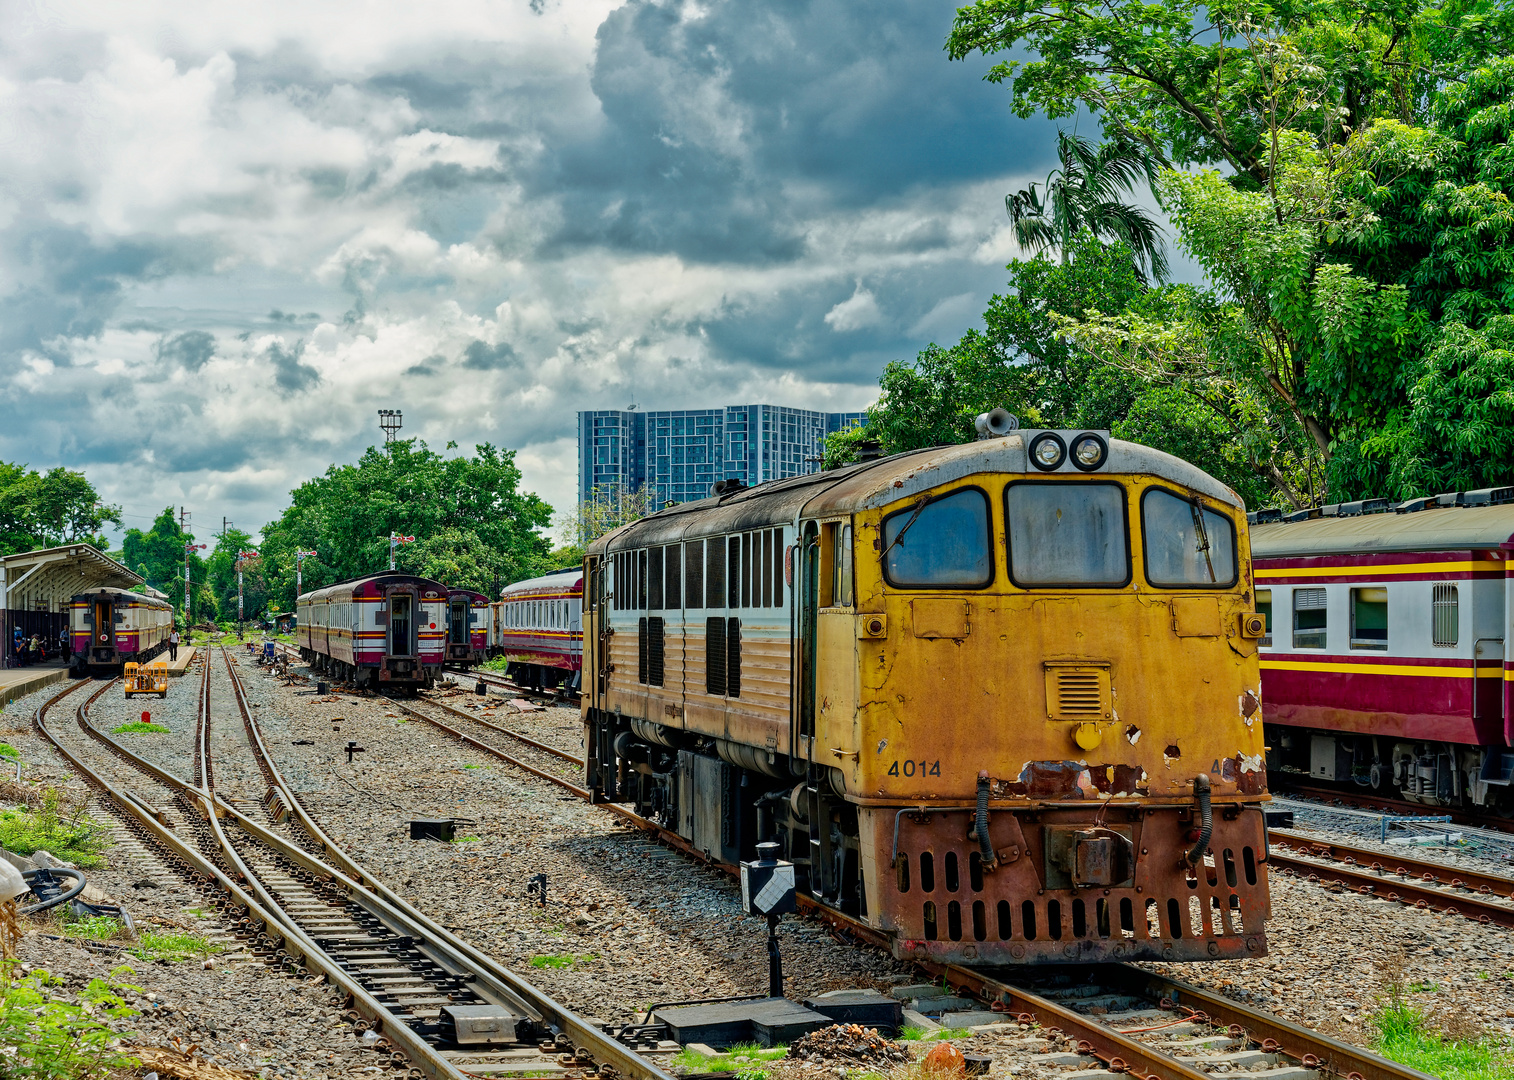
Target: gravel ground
(1470,848)
(633,924)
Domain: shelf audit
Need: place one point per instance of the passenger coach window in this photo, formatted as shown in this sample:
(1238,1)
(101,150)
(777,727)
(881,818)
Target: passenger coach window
(1186,545)
(943,542)
(1067,534)
(1308,618)
(1264,609)
(1445,630)
(1369,619)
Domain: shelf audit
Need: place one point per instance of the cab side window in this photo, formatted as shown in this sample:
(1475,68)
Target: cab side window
(940,543)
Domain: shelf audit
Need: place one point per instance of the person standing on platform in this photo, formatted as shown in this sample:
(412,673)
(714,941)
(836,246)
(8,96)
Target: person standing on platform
(173,644)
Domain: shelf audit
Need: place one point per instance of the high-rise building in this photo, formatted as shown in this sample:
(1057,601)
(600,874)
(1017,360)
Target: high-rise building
(677,454)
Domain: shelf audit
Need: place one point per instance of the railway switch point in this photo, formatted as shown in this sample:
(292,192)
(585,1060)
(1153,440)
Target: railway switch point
(767,888)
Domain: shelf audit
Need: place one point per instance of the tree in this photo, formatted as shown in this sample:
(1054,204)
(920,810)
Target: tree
(158,555)
(1083,195)
(221,573)
(605,509)
(40,510)
(467,513)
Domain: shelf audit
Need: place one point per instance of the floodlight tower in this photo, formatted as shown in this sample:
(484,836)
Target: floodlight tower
(391,420)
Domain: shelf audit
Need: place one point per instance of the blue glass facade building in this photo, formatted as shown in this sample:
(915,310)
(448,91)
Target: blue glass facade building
(679,453)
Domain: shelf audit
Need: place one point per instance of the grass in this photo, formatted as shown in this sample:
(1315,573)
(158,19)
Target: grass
(557,963)
(471,765)
(743,1059)
(7,750)
(148,945)
(136,727)
(1405,1035)
(465,839)
(53,825)
(915,1034)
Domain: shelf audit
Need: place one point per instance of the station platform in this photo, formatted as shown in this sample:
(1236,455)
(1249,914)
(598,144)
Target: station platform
(18,682)
(178,667)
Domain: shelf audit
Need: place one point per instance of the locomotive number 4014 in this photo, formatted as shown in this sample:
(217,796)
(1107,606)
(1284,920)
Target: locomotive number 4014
(915,768)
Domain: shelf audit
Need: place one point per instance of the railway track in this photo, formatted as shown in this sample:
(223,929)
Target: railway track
(1119,1018)
(1281,783)
(560,696)
(305,906)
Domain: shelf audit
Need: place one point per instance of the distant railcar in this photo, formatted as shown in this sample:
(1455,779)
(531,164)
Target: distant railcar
(467,627)
(1389,655)
(986,697)
(386,630)
(538,628)
(112,627)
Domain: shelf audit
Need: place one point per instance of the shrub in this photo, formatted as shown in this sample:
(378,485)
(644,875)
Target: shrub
(44,1037)
(52,824)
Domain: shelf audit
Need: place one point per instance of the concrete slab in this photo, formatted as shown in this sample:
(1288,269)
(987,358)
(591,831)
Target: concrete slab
(866,1007)
(934,1006)
(917,990)
(18,682)
(970,1017)
(768,1021)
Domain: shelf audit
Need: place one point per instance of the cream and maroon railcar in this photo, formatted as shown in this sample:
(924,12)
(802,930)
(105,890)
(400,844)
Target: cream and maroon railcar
(1388,660)
(112,627)
(387,630)
(537,625)
(984,696)
(467,627)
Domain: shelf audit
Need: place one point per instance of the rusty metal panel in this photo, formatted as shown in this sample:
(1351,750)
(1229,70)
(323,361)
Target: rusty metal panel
(936,895)
(1196,616)
(940,617)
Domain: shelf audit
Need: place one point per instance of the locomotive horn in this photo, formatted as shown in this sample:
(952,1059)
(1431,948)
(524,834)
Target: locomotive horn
(996,423)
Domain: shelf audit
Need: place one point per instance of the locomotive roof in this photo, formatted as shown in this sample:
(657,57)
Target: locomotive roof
(1452,528)
(556,579)
(351,585)
(873,484)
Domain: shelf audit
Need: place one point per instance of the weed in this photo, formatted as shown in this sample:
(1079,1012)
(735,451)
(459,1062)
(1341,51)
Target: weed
(173,945)
(92,927)
(1421,988)
(52,824)
(7,750)
(471,765)
(465,839)
(910,1033)
(743,1059)
(136,727)
(1405,1035)
(43,1037)
(557,963)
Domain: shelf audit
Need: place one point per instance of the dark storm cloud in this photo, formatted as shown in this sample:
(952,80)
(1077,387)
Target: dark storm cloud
(432,365)
(191,350)
(289,374)
(717,121)
(479,356)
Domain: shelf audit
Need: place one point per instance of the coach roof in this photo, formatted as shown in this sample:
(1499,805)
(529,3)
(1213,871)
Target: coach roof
(1450,529)
(874,484)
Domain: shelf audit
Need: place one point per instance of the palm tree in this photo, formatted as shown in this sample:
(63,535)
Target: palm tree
(1083,194)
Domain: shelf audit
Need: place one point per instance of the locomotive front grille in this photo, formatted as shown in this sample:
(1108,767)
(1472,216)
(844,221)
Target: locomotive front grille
(943,906)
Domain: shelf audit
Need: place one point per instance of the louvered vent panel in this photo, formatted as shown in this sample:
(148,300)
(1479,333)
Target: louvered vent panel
(1077,692)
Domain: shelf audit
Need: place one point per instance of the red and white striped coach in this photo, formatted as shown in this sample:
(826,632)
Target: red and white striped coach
(538,627)
(388,629)
(467,627)
(1387,660)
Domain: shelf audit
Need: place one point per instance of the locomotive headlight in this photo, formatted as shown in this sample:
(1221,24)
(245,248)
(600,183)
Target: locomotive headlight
(1089,451)
(1047,451)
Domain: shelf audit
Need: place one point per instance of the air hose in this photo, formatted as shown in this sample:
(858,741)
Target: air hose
(980,823)
(1206,818)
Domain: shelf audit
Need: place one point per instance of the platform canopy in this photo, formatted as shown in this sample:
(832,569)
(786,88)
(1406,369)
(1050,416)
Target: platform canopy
(46,580)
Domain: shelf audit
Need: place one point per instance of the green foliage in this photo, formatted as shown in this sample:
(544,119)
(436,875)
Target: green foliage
(158,555)
(557,963)
(44,1037)
(137,727)
(221,577)
(54,826)
(1405,1035)
(743,1060)
(7,750)
(473,526)
(41,510)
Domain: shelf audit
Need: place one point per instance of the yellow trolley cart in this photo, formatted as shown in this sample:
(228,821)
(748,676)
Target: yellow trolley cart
(146,678)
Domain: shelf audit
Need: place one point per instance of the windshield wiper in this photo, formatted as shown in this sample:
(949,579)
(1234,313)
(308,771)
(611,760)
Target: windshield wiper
(919,508)
(1203,534)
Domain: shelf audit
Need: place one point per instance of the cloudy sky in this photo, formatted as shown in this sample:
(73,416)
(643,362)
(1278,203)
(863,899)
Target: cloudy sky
(230,233)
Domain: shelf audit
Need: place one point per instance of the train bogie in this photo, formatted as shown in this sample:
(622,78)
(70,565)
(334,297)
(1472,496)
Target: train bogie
(1003,713)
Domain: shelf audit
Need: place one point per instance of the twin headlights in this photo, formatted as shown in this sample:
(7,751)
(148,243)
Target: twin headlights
(1048,451)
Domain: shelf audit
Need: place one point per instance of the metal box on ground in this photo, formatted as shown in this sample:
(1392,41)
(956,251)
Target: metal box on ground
(433,829)
(768,1021)
(866,1007)
(478,1025)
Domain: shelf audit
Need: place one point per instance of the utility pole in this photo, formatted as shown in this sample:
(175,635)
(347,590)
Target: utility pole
(299,574)
(242,557)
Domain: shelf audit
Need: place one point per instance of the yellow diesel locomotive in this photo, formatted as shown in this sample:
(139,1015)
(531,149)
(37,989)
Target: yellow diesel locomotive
(999,700)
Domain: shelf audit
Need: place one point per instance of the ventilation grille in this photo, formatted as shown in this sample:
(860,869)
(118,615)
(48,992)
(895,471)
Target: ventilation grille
(1078,692)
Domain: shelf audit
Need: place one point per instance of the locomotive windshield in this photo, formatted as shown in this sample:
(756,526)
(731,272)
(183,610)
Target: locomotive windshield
(943,542)
(1186,542)
(1067,534)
